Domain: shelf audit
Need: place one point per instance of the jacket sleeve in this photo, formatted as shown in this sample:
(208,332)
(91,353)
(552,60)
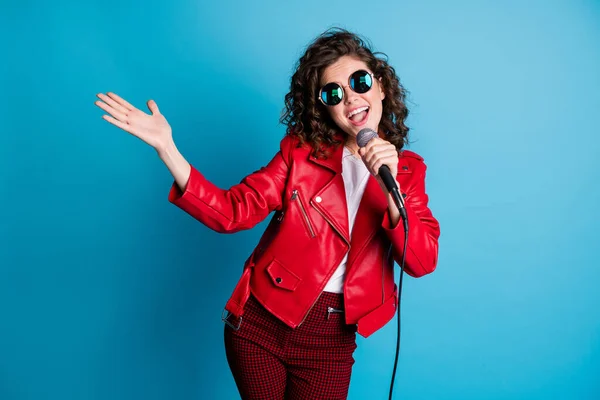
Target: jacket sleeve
(423,229)
(240,207)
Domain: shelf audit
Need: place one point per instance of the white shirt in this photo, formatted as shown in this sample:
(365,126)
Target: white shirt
(355,175)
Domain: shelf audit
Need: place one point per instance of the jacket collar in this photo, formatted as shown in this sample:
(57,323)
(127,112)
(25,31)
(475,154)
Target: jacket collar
(334,161)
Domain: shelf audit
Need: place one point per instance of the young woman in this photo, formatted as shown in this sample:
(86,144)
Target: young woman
(324,267)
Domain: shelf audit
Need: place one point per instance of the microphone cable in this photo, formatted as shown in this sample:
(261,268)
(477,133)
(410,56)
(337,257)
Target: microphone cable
(400,204)
(362,139)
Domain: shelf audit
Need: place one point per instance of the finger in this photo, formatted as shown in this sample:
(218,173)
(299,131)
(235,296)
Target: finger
(112,103)
(382,150)
(121,101)
(375,152)
(122,125)
(370,144)
(388,154)
(380,153)
(118,115)
(382,145)
(368,159)
(153,107)
(377,145)
(376,142)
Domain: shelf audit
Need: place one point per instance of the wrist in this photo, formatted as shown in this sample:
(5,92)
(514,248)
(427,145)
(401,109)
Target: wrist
(167,150)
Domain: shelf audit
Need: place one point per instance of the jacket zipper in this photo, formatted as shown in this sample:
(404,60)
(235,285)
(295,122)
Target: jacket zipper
(335,229)
(304,214)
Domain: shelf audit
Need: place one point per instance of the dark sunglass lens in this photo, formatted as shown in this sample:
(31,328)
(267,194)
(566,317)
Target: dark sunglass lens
(361,81)
(331,94)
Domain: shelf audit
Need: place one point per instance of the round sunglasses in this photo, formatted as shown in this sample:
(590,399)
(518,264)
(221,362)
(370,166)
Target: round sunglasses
(332,93)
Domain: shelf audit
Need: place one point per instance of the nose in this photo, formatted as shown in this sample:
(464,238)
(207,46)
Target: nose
(350,95)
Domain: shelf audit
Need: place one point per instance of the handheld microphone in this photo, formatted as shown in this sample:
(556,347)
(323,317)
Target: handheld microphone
(365,136)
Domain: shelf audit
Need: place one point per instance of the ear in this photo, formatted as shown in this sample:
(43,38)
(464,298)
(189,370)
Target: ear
(381,91)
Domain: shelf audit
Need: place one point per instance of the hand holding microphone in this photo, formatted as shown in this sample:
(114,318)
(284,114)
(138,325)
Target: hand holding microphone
(377,153)
(381,158)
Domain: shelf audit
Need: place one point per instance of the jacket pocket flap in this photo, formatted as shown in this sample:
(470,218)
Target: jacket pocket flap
(281,276)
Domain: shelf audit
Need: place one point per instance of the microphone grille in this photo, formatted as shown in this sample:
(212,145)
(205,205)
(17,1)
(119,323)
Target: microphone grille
(364,136)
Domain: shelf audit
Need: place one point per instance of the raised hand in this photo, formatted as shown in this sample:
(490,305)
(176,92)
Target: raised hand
(152,129)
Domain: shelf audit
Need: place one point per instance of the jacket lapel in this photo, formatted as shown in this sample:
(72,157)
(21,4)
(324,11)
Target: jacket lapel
(330,199)
(330,202)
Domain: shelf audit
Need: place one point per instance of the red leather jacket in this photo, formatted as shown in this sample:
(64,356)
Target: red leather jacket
(308,235)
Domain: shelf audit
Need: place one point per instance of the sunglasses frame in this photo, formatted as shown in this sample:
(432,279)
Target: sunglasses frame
(342,87)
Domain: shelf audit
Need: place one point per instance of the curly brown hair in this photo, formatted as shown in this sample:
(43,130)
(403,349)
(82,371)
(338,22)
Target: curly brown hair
(307,118)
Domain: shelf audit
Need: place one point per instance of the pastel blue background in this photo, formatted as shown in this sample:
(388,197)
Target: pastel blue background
(109,292)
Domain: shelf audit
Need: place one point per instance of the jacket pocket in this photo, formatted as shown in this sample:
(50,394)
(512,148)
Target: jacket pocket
(281,276)
(296,198)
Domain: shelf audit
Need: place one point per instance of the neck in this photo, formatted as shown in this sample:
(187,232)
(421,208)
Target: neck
(351,144)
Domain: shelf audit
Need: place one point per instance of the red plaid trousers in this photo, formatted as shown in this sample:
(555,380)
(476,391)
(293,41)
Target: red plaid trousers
(270,360)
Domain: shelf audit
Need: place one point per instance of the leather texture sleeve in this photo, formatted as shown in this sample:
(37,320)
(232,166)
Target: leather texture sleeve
(423,229)
(240,207)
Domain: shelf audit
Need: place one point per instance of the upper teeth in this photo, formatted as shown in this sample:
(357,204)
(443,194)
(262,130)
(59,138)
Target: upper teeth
(361,109)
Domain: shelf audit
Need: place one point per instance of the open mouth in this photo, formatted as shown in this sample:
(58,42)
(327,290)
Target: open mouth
(359,116)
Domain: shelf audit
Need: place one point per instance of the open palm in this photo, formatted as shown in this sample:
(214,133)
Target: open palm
(152,129)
